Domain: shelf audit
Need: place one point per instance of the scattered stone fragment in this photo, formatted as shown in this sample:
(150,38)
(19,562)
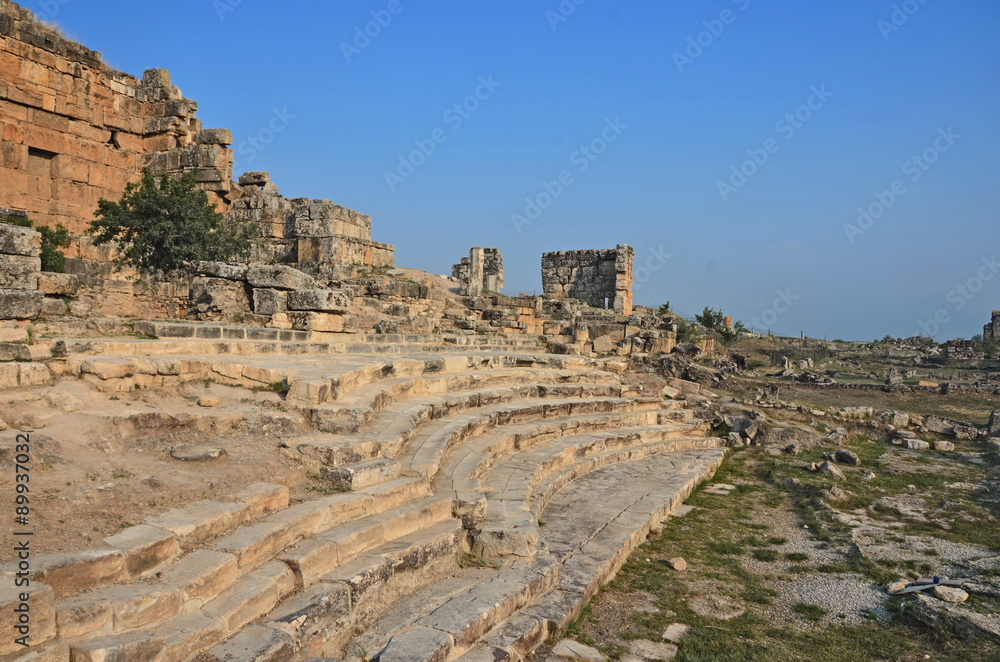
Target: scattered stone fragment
(895,587)
(208,402)
(917,445)
(678,564)
(675,632)
(652,650)
(834,494)
(868,475)
(950,594)
(196,453)
(945,446)
(831,469)
(844,456)
(575,650)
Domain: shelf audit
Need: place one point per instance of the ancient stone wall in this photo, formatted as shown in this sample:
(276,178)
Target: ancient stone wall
(992,330)
(599,278)
(481,272)
(20,267)
(307,232)
(73,130)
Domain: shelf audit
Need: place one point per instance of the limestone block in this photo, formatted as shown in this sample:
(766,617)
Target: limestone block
(138,647)
(279,277)
(269,302)
(15,240)
(220,270)
(202,574)
(362,474)
(214,137)
(255,178)
(74,572)
(18,272)
(41,603)
(218,295)
(58,284)
(145,547)
(326,301)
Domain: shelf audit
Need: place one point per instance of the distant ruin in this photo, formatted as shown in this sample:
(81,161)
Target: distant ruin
(481,272)
(992,330)
(599,278)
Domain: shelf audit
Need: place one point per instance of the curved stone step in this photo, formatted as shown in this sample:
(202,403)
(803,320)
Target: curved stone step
(510,525)
(644,492)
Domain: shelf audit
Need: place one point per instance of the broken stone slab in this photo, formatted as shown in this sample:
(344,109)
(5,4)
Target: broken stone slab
(321,301)
(603,345)
(362,474)
(136,647)
(196,453)
(944,446)
(269,302)
(17,240)
(675,632)
(20,304)
(257,642)
(420,643)
(844,456)
(652,650)
(222,270)
(279,277)
(950,594)
(255,178)
(571,649)
(145,548)
(685,387)
(670,392)
(18,272)
(831,469)
(58,284)
(917,445)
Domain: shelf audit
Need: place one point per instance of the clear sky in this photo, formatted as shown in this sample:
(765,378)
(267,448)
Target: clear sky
(604,122)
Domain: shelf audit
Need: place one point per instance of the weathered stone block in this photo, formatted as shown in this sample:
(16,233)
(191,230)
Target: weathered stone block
(220,270)
(40,601)
(18,272)
(269,302)
(58,284)
(255,178)
(15,240)
(324,301)
(214,137)
(279,277)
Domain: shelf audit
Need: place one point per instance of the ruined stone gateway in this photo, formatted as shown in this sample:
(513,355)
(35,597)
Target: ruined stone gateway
(992,330)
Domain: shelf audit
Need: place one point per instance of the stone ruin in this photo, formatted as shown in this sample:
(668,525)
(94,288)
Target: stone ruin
(599,278)
(992,330)
(311,233)
(481,272)
(75,131)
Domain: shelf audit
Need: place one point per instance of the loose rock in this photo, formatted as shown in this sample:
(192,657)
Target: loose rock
(196,453)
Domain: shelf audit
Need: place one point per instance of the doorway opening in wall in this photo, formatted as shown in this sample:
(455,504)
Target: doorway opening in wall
(40,185)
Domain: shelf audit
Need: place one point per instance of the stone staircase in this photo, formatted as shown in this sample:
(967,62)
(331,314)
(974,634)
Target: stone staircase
(546,469)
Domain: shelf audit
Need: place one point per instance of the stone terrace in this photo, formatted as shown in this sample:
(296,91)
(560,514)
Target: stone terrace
(442,462)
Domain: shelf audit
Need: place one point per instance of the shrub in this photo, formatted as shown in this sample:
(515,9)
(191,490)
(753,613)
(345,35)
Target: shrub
(52,240)
(161,226)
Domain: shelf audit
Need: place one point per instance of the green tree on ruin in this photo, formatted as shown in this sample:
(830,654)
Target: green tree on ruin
(160,226)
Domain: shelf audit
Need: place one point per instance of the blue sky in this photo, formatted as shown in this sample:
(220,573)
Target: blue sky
(674,95)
